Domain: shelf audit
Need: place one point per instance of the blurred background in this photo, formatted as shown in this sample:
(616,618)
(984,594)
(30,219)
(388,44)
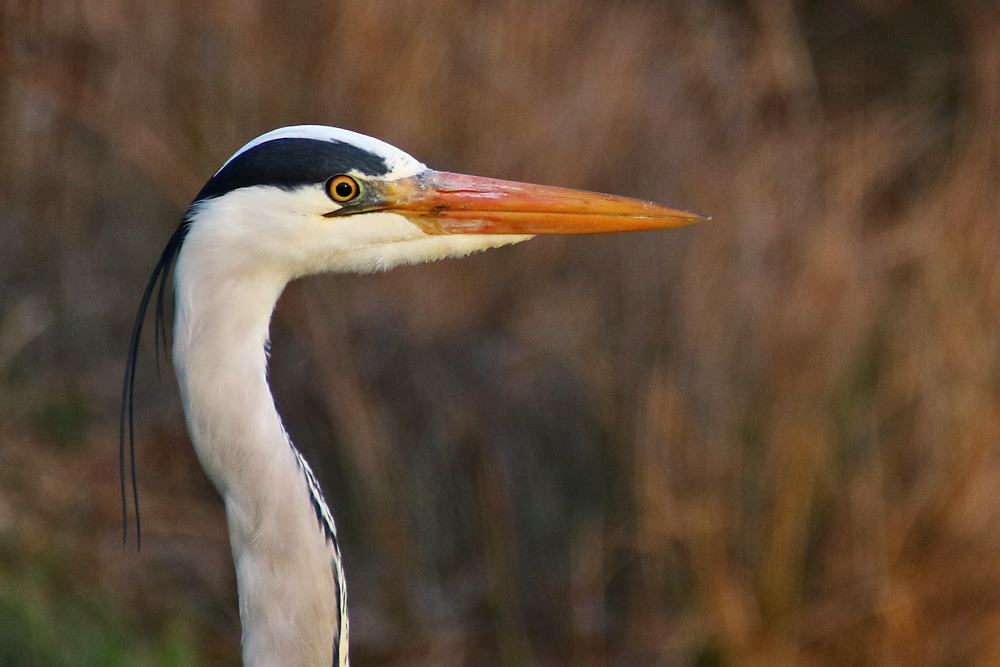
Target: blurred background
(770,439)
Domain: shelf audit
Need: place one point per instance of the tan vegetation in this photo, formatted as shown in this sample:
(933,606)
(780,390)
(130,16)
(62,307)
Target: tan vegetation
(766,440)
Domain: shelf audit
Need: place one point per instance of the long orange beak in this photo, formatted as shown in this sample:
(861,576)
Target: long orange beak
(445,203)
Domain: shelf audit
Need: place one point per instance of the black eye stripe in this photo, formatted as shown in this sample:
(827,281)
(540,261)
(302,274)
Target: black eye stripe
(290,163)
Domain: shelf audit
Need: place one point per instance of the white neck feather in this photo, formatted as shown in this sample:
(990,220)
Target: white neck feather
(288,570)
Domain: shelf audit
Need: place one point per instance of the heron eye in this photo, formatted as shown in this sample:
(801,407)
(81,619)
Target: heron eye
(342,188)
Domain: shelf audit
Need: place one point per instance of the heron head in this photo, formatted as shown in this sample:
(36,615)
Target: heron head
(309,199)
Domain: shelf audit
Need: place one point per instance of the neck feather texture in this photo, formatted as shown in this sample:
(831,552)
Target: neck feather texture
(288,568)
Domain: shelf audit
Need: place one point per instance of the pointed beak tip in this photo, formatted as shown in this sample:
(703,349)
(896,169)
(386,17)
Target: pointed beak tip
(678,217)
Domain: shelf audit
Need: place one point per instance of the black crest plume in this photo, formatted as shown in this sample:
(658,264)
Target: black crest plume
(157,283)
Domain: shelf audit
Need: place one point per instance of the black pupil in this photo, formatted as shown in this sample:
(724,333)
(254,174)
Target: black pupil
(344,189)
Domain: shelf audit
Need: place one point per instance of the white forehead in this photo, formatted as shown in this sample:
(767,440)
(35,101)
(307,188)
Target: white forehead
(400,164)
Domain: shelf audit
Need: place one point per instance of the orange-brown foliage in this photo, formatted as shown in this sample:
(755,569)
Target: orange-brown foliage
(766,440)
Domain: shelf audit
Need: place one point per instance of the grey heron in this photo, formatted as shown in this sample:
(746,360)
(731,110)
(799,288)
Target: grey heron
(293,202)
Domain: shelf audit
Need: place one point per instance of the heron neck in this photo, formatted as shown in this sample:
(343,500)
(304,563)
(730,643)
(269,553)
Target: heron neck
(287,563)
(220,333)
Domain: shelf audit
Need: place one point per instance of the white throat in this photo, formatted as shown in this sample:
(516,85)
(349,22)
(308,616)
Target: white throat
(288,570)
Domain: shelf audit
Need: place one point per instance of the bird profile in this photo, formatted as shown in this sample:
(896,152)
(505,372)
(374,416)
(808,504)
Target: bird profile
(294,202)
